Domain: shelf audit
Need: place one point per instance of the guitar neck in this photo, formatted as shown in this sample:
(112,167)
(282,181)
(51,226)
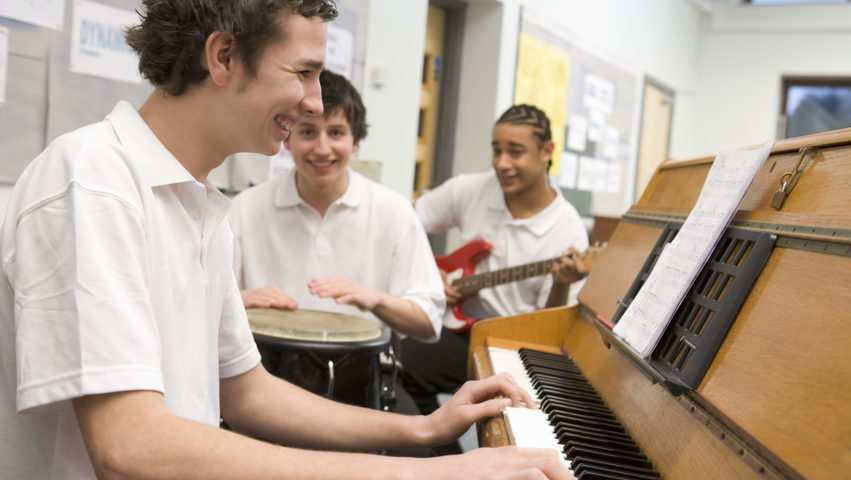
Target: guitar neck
(473,283)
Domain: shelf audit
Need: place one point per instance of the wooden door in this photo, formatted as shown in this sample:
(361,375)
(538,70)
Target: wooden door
(429,97)
(655,133)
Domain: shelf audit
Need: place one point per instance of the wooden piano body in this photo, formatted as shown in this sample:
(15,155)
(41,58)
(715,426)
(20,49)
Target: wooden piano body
(776,400)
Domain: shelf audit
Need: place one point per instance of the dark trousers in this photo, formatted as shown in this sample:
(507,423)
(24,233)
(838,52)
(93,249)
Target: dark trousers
(432,368)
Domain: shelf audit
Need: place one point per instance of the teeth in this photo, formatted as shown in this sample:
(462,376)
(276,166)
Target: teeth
(321,165)
(284,124)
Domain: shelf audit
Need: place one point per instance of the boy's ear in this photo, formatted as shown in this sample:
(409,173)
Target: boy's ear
(219,56)
(547,150)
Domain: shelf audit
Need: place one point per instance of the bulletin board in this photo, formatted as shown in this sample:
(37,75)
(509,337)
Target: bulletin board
(44,97)
(591,103)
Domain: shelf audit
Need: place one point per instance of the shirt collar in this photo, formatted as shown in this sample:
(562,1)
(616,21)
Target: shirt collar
(160,166)
(286,193)
(540,223)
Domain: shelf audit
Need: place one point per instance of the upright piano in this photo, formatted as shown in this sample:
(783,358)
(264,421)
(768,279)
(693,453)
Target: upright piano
(772,398)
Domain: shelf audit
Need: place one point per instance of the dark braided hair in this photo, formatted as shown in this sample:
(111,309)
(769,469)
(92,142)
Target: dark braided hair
(531,116)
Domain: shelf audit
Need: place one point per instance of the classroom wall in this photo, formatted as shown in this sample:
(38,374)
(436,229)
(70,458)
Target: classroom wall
(723,61)
(663,45)
(743,53)
(390,87)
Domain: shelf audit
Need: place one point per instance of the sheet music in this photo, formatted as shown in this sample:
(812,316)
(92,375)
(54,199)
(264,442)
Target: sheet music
(646,318)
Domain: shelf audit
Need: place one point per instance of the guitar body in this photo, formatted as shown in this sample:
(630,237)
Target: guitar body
(463,259)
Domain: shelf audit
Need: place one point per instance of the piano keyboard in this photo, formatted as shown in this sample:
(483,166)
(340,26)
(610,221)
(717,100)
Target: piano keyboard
(570,417)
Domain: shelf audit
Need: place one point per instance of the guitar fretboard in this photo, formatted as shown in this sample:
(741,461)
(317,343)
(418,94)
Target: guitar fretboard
(473,283)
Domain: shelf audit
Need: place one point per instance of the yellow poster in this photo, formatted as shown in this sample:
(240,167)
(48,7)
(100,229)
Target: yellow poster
(542,77)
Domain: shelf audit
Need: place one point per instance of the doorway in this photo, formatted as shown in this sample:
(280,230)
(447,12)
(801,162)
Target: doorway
(655,132)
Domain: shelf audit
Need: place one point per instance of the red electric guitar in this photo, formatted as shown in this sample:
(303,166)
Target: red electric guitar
(465,259)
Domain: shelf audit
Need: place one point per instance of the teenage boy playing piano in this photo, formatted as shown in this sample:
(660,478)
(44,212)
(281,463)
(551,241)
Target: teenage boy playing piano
(123,337)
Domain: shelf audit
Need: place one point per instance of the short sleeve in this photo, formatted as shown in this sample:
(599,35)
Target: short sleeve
(85,323)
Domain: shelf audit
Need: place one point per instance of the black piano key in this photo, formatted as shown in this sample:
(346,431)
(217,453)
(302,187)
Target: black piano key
(554,410)
(565,390)
(578,432)
(555,372)
(543,358)
(565,434)
(587,423)
(593,439)
(604,473)
(574,451)
(594,474)
(590,420)
(554,401)
(554,375)
(592,463)
(602,449)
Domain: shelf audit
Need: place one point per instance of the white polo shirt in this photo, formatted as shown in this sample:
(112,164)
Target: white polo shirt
(116,276)
(370,235)
(474,203)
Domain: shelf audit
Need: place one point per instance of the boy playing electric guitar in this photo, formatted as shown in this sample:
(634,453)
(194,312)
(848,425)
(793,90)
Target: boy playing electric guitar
(515,209)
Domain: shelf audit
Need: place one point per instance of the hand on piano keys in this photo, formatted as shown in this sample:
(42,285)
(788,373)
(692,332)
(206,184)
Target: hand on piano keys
(500,463)
(481,399)
(570,419)
(473,401)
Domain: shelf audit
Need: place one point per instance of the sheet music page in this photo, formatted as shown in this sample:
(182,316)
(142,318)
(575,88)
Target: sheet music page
(646,318)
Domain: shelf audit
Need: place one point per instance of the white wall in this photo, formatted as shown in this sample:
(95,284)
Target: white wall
(744,52)
(395,39)
(486,80)
(724,67)
(663,44)
(722,59)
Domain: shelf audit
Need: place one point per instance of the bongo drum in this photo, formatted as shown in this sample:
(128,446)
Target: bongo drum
(330,354)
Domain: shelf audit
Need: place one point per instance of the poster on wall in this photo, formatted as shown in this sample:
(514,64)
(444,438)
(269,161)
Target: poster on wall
(538,60)
(97,42)
(44,13)
(4,62)
(591,102)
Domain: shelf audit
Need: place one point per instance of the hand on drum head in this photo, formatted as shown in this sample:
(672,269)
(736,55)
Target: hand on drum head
(504,463)
(269,296)
(345,291)
(475,400)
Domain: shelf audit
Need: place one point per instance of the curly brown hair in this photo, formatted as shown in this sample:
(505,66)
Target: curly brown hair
(338,94)
(172,34)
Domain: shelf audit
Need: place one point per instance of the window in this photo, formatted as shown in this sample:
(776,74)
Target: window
(814,104)
(793,2)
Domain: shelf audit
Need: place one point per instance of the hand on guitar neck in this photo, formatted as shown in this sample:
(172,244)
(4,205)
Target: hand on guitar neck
(567,268)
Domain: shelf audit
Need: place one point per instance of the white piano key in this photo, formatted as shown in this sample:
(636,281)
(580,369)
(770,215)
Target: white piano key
(530,428)
(505,360)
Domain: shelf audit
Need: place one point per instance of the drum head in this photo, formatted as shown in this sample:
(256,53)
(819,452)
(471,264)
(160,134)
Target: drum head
(311,325)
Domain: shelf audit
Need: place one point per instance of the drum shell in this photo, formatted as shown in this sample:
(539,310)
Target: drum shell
(357,370)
